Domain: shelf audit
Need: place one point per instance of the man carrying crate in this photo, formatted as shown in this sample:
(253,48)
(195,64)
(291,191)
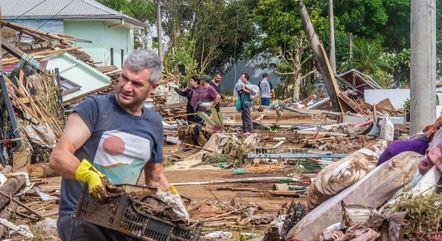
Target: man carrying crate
(111,137)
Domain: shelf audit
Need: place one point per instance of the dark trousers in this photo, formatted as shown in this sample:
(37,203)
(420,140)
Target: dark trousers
(246,116)
(189,110)
(265,101)
(71,229)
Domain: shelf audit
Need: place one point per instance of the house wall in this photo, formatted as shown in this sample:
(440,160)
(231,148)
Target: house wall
(45,25)
(103,38)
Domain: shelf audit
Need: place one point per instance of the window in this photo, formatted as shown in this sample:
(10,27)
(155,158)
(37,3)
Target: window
(68,86)
(122,57)
(112,56)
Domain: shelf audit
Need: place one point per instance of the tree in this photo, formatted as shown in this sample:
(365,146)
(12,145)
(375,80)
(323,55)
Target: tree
(282,36)
(119,5)
(218,29)
(369,58)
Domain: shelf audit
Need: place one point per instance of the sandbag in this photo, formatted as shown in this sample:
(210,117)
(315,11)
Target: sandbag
(344,173)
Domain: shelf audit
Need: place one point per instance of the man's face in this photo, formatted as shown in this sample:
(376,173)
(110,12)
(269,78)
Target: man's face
(217,78)
(133,88)
(193,83)
(243,79)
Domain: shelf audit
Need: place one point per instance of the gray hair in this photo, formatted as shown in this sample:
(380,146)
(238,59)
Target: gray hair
(141,59)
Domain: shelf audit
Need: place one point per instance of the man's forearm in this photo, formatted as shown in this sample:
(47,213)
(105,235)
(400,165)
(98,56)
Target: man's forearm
(64,163)
(159,181)
(216,101)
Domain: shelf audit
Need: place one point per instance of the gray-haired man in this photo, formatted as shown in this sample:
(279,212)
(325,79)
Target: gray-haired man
(113,136)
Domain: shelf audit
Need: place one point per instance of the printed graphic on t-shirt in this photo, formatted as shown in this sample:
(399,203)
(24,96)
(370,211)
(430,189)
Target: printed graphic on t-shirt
(121,156)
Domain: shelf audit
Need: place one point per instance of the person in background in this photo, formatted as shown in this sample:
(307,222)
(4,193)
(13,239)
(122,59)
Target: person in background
(215,83)
(244,92)
(194,82)
(265,90)
(205,97)
(418,143)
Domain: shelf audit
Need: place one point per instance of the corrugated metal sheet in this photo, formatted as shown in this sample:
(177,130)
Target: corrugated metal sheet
(60,9)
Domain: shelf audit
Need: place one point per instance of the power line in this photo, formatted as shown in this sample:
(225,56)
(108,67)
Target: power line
(21,15)
(53,16)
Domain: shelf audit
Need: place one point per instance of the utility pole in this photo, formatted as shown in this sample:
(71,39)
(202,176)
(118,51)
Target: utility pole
(159,31)
(423,64)
(331,36)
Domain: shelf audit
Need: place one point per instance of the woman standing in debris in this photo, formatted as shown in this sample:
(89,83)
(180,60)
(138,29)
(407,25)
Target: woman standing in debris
(205,97)
(194,82)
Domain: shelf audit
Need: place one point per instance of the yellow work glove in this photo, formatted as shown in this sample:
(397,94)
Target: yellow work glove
(88,174)
(173,190)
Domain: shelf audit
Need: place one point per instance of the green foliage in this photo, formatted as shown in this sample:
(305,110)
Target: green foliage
(119,5)
(142,10)
(407,105)
(182,56)
(400,63)
(282,43)
(215,119)
(362,18)
(369,58)
(218,29)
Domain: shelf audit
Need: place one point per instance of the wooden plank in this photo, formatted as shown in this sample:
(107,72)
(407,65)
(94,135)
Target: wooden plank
(21,205)
(240,180)
(30,31)
(22,55)
(11,187)
(371,192)
(320,133)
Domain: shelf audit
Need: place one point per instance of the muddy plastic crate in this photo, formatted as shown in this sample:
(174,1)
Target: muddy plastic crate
(120,215)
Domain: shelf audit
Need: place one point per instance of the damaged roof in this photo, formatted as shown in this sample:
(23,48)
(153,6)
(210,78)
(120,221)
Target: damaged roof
(61,9)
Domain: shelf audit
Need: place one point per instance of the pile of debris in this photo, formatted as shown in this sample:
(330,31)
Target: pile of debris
(353,200)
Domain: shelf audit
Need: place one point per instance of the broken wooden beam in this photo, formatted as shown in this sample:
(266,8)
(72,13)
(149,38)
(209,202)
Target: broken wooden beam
(21,204)
(241,180)
(22,55)
(41,170)
(11,187)
(33,32)
(7,213)
(293,155)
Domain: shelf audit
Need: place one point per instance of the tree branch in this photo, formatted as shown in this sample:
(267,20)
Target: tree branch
(287,73)
(306,75)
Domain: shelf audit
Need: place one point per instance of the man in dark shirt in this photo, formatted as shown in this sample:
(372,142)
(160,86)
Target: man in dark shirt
(111,137)
(244,91)
(215,83)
